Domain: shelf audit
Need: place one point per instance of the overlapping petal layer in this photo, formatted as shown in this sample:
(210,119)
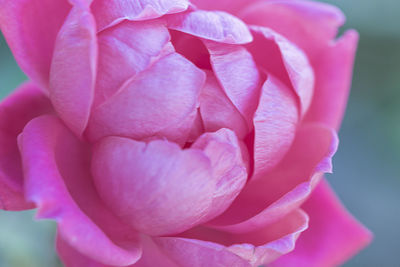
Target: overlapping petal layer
(281,58)
(316,28)
(206,247)
(57,179)
(109,13)
(217,111)
(211,25)
(284,188)
(147,105)
(238,75)
(126,50)
(333,235)
(16,111)
(316,24)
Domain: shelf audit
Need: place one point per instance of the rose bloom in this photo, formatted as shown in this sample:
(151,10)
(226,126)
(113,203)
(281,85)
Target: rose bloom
(177,133)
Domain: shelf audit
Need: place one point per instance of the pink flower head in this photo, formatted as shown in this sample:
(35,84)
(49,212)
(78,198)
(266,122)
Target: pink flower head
(177,132)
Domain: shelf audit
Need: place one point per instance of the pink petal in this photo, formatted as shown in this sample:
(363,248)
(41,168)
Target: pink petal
(334,73)
(172,85)
(286,187)
(160,189)
(217,111)
(238,75)
(226,5)
(58,181)
(227,155)
(211,25)
(214,248)
(275,124)
(30,28)
(333,236)
(157,188)
(73,69)
(109,13)
(153,255)
(124,51)
(26,103)
(316,24)
(71,257)
(281,58)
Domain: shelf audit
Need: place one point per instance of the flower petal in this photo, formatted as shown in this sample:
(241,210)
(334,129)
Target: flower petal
(211,25)
(334,73)
(316,27)
(71,257)
(109,13)
(227,155)
(73,69)
(124,51)
(57,179)
(172,85)
(26,103)
(281,58)
(238,75)
(333,236)
(225,5)
(214,248)
(275,124)
(217,111)
(156,188)
(286,187)
(30,28)
(316,23)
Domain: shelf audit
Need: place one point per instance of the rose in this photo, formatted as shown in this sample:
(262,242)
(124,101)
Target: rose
(157,133)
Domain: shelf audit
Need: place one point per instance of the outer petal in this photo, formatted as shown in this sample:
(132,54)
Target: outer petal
(286,187)
(316,24)
(211,25)
(217,111)
(57,180)
(73,69)
(281,58)
(172,85)
(16,110)
(214,248)
(238,75)
(126,50)
(30,28)
(275,125)
(334,72)
(333,236)
(109,13)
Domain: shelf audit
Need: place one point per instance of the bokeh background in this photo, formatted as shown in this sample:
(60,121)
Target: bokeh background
(366,168)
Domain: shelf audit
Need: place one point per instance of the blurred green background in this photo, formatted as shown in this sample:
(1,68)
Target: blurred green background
(366,167)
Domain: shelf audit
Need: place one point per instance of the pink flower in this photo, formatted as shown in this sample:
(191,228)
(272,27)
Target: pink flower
(177,133)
